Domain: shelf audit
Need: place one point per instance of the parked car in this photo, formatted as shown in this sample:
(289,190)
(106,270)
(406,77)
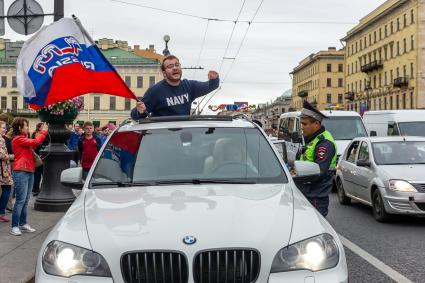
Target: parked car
(395,122)
(191,199)
(386,173)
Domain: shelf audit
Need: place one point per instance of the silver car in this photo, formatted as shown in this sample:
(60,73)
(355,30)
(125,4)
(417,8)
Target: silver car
(387,173)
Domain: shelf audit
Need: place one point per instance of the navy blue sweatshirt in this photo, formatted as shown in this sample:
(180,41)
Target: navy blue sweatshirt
(163,99)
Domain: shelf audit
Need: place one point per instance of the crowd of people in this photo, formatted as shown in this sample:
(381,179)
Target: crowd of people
(19,174)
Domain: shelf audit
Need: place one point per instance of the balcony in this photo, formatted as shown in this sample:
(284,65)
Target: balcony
(374,65)
(303,93)
(349,95)
(28,113)
(401,82)
(368,86)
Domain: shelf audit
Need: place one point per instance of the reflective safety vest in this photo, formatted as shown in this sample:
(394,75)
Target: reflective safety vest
(308,154)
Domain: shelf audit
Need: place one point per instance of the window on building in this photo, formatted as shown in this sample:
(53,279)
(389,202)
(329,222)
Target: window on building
(397,102)
(329,68)
(360,83)
(403,101)
(329,82)
(14,103)
(340,98)
(374,36)
(340,68)
(96,103)
(379,103)
(14,84)
(370,39)
(404,20)
(112,103)
(355,86)
(385,31)
(404,71)
(385,103)
(3,103)
(391,51)
(139,81)
(412,16)
(348,51)
(385,53)
(385,79)
(361,44)
(340,82)
(397,71)
(374,81)
(380,80)
(398,24)
(352,68)
(3,81)
(398,48)
(329,98)
(25,106)
(374,104)
(404,45)
(411,100)
(412,42)
(348,69)
(374,55)
(127,104)
(96,124)
(412,71)
(151,80)
(391,103)
(380,33)
(391,76)
(365,42)
(128,81)
(356,47)
(356,67)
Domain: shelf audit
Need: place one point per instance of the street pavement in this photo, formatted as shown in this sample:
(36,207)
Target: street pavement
(18,254)
(399,244)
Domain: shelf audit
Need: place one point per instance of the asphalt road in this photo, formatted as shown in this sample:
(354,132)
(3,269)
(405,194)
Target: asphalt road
(399,244)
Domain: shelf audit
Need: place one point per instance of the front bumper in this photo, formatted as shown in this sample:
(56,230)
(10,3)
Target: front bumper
(404,203)
(305,276)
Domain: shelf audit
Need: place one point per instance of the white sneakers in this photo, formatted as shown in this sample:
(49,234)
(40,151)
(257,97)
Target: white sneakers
(17,231)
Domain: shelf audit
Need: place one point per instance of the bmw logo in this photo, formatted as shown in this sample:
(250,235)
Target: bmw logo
(189,240)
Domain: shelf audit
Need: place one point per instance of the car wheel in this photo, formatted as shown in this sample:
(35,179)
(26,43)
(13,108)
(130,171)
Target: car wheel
(342,197)
(379,211)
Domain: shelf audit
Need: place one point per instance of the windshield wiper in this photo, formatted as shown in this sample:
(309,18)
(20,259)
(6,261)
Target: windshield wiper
(121,184)
(205,181)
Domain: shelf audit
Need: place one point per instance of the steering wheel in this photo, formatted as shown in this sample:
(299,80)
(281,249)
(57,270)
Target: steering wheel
(228,165)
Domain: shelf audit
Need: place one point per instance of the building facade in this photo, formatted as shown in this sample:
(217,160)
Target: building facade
(138,73)
(385,58)
(319,79)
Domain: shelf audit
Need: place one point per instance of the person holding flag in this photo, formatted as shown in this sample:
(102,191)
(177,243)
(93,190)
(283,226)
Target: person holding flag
(173,96)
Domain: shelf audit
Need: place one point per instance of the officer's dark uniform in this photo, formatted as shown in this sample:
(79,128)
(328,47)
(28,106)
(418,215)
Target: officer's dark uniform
(321,149)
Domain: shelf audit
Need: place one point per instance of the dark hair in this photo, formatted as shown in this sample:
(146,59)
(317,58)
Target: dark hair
(17,124)
(38,126)
(88,123)
(169,57)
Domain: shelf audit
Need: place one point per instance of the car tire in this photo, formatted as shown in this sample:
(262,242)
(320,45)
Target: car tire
(379,211)
(342,197)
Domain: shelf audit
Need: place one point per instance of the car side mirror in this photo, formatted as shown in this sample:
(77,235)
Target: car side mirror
(306,171)
(73,178)
(373,133)
(363,163)
(295,137)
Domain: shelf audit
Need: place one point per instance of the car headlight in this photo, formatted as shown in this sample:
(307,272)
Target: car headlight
(66,260)
(316,253)
(401,186)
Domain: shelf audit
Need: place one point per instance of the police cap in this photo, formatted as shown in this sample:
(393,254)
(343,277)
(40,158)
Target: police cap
(310,111)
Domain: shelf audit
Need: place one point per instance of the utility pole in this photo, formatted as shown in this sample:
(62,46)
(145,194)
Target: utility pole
(58,10)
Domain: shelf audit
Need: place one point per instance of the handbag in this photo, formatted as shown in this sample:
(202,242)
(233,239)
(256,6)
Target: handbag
(37,159)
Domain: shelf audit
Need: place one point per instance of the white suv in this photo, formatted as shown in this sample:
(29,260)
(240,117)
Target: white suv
(191,199)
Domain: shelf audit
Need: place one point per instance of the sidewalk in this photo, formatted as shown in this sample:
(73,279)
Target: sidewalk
(18,254)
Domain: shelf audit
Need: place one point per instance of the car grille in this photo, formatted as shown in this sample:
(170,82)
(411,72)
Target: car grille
(157,266)
(419,187)
(226,266)
(421,205)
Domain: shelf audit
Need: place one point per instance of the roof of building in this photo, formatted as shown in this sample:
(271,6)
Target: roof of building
(118,56)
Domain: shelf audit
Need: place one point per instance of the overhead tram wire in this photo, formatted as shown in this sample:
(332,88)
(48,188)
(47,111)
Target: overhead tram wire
(202,47)
(236,56)
(228,20)
(225,51)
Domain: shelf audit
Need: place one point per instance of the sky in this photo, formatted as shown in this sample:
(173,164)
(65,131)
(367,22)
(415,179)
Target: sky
(259,55)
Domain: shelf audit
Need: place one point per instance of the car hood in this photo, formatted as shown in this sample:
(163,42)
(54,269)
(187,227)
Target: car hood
(150,218)
(408,172)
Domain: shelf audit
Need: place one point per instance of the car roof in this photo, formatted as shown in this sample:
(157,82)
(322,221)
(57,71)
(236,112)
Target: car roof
(391,138)
(202,121)
(399,115)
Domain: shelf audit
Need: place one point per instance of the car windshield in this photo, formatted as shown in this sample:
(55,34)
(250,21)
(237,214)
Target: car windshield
(399,152)
(345,128)
(412,128)
(188,155)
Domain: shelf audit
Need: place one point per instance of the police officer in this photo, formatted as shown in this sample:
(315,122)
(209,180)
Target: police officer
(321,149)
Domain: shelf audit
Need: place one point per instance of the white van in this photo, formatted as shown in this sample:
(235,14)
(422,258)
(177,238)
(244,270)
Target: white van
(395,122)
(343,125)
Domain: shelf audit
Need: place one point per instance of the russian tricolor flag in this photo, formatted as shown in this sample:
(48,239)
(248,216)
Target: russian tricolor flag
(60,62)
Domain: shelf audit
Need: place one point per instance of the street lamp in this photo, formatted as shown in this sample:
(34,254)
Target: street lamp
(166,38)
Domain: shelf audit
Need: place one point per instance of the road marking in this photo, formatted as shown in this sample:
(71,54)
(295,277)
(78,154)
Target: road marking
(374,261)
